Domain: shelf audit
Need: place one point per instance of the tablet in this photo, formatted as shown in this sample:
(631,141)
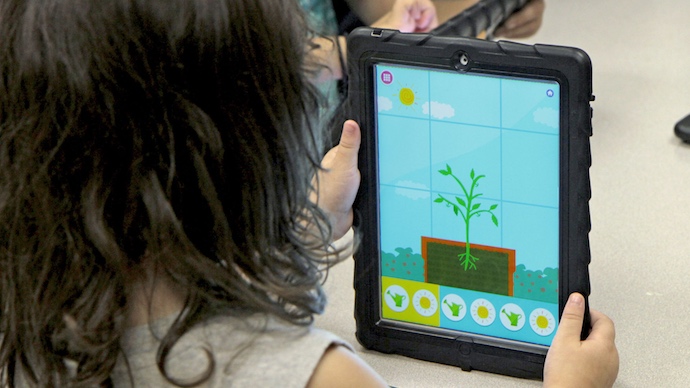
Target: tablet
(474,198)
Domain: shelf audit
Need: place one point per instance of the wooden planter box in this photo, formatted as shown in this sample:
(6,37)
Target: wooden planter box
(494,272)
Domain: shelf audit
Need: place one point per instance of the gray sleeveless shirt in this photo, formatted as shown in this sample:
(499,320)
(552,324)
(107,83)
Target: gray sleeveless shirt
(259,351)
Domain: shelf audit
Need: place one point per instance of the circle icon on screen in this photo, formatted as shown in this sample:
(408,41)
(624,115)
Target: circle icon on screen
(483,312)
(396,298)
(407,96)
(454,307)
(387,77)
(512,317)
(549,93)
(425,302)
(542,322)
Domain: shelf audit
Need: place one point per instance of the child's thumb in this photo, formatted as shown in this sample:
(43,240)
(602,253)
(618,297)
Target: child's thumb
(348,148)
(570,325)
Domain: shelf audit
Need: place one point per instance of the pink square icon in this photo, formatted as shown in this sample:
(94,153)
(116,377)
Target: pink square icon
(387,77)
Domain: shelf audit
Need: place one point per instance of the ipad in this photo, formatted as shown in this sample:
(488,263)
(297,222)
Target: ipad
(474,198)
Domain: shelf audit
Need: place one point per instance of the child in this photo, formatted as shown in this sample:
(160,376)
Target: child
(155,221)
(159,224)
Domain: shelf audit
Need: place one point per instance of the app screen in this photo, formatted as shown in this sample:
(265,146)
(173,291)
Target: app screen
(468,187)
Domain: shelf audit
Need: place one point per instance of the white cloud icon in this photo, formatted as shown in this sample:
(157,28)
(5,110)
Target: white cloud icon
(439,110)
(384,104)
(546,116)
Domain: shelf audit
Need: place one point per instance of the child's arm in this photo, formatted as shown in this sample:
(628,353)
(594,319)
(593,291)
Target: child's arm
(403,15)
(575,363)
(409,16)
(524,23)
(340,367)
(446,9)
(368,11)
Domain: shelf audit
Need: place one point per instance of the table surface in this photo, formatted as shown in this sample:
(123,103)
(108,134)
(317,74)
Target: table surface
(640,176)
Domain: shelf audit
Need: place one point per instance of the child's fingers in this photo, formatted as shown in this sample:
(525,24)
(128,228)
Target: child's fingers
(570,326)
(348,148)
(602,327)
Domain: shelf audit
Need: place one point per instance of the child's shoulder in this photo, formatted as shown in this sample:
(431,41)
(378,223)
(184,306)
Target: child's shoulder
(247,351)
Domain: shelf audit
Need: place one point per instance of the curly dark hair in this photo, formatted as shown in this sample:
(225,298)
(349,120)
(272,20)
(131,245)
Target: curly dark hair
(178,132)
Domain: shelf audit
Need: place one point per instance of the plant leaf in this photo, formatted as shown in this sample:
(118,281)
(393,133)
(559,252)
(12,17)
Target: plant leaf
(439,200)
(444,172)
(472,174)
(448,169)
(456,210)
(460,201)
(494,219)
(476,206)
(493,207)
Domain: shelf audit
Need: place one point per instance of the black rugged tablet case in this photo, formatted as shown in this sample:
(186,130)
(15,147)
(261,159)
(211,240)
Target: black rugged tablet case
(571,67)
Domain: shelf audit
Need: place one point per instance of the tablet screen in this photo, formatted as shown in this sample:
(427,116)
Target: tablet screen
(468,191)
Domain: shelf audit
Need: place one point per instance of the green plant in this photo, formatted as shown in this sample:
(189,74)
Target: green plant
(467,208)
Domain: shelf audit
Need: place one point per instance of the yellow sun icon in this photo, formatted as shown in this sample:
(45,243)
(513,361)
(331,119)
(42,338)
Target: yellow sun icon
(407,96)
(483,312)
(542,322)
(425,303)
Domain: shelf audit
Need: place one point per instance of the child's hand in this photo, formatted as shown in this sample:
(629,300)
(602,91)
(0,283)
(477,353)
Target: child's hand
(523,23)
(339,181)
(571,362)
(409,16)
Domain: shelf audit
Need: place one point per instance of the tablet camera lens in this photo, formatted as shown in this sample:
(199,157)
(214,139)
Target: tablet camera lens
(464,60)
